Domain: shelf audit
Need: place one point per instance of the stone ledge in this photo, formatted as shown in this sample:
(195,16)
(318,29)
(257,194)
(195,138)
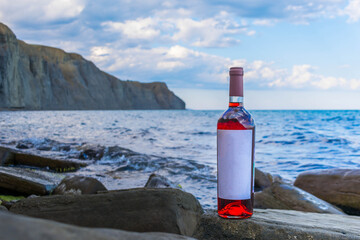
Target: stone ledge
(279,224)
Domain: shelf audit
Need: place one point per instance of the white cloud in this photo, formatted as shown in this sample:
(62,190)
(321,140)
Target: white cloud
(141,28)
(264,22)
(42,11)
(218,31)
(210,32)
(352,10)
(210,69)
(304,76)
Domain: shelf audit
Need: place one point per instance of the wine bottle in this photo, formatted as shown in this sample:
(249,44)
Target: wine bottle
(235,154)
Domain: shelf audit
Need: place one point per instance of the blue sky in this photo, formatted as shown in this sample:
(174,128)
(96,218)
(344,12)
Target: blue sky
(296,54)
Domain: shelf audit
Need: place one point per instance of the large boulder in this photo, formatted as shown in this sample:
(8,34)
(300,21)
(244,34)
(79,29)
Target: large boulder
(28,181)
(340,187)
(79,185)
(16,227)
(286,196)
(274,224)
(141,210)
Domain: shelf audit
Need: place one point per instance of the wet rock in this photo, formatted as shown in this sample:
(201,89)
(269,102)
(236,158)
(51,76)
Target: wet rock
(79,185)
(3,208)
(57,164)
(274,224)
(10,156)
(28,181)
(17,227)
(158,181)
(262,180)
(337,186)
(116,151)
(286,196)
(141,210)
(22,146)
(91,152)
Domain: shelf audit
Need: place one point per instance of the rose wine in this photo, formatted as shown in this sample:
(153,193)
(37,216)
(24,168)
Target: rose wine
(235,154)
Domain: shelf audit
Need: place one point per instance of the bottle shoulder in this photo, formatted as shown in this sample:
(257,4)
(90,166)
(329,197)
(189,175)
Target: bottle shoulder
(236,118)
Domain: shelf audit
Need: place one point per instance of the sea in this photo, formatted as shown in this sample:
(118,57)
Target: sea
(181,144)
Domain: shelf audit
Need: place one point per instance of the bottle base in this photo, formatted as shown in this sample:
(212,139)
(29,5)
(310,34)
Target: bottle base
(235,209)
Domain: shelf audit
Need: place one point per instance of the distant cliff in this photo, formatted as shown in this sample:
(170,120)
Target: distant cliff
(45,78)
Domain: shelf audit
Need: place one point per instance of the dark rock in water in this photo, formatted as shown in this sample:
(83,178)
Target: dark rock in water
(157,181)
(57,164)
(28,181)
(79,185)
(91,152)
(274,224)
(17,227)
(262,180)
(340,187)
(9,156)
(285,196)
(46,78)
(116,151)
(141,210)
(22,146)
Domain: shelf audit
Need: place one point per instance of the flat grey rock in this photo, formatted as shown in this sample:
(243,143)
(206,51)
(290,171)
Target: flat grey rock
(140,210)
(17,227)
(28,181)
(274,224)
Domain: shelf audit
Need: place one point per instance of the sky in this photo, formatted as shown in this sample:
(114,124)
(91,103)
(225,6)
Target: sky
(296,54)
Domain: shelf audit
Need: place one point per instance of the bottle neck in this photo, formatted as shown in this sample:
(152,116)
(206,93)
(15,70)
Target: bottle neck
(236,101)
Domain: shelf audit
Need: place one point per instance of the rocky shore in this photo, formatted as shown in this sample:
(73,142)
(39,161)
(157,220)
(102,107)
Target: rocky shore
(38,202)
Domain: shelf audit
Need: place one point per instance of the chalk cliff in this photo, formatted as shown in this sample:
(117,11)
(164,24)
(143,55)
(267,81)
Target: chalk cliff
(45,78)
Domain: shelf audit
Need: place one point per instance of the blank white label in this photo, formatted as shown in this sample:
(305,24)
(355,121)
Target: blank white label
(234,148)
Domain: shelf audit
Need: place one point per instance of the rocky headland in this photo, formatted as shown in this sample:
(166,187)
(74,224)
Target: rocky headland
(34,77)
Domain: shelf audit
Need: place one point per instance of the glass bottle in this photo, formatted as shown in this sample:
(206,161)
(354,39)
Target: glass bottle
(235,154)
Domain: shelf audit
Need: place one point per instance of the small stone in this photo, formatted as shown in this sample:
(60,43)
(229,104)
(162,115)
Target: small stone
(79,185)
(158,181)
